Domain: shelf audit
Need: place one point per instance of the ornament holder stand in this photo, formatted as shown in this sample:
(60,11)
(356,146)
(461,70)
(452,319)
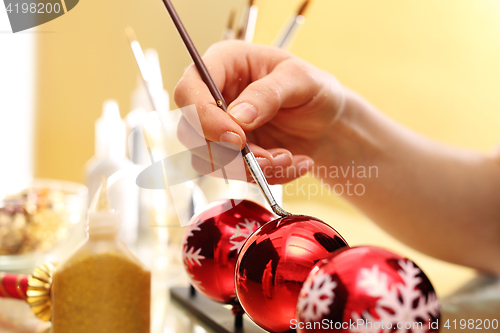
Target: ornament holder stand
(216,315)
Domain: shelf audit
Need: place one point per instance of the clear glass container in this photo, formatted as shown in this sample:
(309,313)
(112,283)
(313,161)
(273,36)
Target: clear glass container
(41,223)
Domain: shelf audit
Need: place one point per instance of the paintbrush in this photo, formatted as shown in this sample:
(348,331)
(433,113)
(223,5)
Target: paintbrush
(291,28)
(229,31)
(248,156)
(147,77)
(153,88)
(248,22)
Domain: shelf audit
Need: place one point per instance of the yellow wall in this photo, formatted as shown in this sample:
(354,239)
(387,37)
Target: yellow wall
(432,65)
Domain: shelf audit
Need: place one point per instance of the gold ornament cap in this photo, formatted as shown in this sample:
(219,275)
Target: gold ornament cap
(38,293)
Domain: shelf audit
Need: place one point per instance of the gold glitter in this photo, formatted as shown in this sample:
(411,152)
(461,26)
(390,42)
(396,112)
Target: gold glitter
(102,287)
(104,292)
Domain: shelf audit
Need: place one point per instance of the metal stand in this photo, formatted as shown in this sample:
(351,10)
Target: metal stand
(214,314)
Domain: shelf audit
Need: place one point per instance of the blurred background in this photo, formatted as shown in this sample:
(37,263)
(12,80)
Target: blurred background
(432,66)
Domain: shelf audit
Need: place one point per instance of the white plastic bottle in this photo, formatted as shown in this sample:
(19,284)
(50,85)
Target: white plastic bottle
(136,120)
(110,158)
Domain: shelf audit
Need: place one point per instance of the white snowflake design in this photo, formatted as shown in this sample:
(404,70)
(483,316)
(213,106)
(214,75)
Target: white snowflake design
(191,256)
(374,281)
(190,232)
(197,283)
(400,299)
(370,323)
(316,296)
(243,231)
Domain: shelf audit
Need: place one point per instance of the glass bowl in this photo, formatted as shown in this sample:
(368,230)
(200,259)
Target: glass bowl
(37,221)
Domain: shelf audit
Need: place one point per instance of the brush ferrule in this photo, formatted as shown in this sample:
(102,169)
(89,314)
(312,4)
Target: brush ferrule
(260,179)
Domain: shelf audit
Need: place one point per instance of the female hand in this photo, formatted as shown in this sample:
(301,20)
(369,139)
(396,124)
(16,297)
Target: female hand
(283,106)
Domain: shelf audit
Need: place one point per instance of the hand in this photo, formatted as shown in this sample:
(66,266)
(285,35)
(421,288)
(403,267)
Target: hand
(283,106)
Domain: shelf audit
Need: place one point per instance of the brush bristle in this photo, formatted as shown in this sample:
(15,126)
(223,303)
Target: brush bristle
(303,8)
(130,34)
(232,18)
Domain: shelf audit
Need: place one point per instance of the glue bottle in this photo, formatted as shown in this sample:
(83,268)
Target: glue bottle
(110,159)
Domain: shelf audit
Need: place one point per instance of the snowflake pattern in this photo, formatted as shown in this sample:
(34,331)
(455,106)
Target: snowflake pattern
(190,232)
(316,296)
(197,283)
(192,257)
(373,281)
(243,231)
(370,323)
(397,304)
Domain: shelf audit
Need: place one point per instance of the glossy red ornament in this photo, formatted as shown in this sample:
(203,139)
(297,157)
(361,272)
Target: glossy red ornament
(211,243)
(367,289)
(274,263)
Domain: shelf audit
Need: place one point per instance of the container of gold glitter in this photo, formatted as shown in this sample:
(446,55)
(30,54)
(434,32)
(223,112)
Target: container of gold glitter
(102,287)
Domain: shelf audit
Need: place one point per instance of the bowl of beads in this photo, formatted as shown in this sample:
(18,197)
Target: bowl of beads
(38,220)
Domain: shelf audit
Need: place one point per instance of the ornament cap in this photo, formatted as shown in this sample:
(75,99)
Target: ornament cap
(39,289)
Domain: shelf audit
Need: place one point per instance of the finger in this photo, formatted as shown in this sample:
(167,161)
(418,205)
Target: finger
(242,64)
(285,166)
(289,85)
(206,118)
(217,153)
(211,151)
(282,158)
(233,65)
(301,165)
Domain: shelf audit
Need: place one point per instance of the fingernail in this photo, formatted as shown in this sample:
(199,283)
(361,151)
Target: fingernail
(303,166)
(245,113)
(265,164)
(282,160)
(231,140)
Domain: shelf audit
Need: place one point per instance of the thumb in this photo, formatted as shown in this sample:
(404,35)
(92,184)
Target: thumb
(288,85)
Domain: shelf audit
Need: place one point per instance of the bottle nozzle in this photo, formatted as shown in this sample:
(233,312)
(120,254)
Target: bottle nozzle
(110,110)
(102,219)
(100,201)
(103,199)
(110,132)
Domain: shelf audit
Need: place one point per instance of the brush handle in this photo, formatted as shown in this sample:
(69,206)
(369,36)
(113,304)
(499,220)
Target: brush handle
(250,160)
(193,52)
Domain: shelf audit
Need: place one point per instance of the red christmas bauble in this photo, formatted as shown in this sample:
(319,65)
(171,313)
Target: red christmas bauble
(367,289)
(274,263)
(211,243)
